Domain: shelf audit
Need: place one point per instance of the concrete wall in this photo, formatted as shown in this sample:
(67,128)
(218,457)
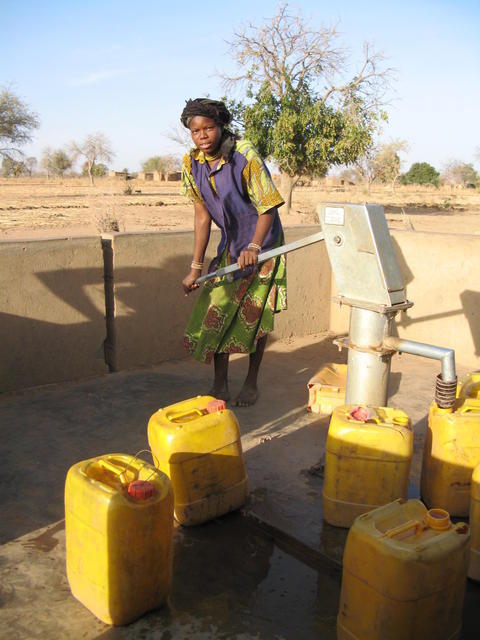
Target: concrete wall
(308,288)
(150,306)
(52,311)
(151,309)
(441,272)
(54,302)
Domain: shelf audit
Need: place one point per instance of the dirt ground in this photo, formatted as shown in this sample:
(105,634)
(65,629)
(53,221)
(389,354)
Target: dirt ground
(37,208)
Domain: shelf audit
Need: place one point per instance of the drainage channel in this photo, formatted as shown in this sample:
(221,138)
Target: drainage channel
(236,578)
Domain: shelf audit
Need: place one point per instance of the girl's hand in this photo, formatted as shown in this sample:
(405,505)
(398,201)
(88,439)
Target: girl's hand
(188,283)
(247,258)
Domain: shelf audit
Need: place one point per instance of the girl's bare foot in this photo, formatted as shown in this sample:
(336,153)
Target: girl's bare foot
(247,396)
(221,393)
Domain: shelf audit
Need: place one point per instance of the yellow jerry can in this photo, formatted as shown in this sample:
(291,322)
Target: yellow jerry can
(119,536)
(326,389)
(367,461)
(197,444)
(404,575)
(452,450)
(474,567)
(470,387)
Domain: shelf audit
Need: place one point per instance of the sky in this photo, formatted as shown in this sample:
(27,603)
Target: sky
(125,69)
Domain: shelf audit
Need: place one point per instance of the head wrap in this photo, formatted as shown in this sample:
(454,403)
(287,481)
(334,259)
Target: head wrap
(217,111)
(213,109)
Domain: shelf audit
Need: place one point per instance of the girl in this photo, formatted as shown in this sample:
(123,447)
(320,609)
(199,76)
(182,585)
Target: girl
(229,183)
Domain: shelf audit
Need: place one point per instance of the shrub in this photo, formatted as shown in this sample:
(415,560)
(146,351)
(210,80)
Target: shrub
(421,173)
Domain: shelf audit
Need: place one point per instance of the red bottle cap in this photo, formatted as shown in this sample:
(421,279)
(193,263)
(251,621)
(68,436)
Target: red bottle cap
(141,489)
(362,414)
(216,405)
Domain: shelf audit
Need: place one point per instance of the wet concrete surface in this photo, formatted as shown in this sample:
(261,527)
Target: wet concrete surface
(272,570)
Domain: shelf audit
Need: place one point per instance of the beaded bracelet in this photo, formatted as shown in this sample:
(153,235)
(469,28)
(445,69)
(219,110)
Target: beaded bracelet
(255,246)
(196,265)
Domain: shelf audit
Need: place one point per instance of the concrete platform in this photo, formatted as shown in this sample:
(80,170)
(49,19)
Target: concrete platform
(272,571)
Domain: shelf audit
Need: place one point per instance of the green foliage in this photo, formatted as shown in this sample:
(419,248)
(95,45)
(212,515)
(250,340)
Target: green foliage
(60,162)
(237,109)
(305,110)
(98,170)
(16,123)
(421,173)
(303,135)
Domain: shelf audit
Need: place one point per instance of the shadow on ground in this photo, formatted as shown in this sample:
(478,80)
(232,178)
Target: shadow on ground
(269,572)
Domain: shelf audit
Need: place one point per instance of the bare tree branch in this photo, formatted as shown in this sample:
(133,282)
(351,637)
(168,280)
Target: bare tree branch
(95,147)
(286,51)
(180,135)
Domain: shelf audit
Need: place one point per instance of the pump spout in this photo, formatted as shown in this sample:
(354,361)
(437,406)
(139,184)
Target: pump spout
(446,387)
(446,356)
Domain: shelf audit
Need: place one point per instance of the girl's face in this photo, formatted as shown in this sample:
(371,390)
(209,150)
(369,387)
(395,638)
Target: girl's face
(206,134)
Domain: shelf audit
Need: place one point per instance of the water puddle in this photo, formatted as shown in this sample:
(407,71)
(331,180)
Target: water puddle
(232,580)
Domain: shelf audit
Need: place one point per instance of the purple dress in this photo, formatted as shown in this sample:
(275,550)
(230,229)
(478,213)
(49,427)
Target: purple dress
(235,193)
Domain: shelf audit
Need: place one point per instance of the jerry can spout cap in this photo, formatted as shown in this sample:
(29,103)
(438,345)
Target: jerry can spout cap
(216,405)
(141,489)
(361,413)
(438,519)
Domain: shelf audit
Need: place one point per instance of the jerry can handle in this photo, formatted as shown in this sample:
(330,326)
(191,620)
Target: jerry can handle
(154,458)
(177,416)
(414,525)
(121,472)
(470,404)
(471,389)
(115,469)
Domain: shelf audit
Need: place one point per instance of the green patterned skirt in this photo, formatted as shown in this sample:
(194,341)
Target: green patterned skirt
(229,317)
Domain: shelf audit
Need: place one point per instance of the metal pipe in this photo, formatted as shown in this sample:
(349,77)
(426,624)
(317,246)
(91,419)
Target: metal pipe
(445,355)
(367,370)
(263,257)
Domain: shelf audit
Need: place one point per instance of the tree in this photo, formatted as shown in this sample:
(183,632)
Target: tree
(60,162)
(16,124)
(388,163)
(421,173)
(98,170)
(350,175)
(46,161)
(12,168)
(367,167)
(31,165)
(180,135)
(96,146)
(460,173)
(162,164)
(303,135)
(382,163)
(303,114)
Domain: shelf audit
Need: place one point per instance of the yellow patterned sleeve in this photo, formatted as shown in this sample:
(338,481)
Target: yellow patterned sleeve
(257,180)
(189,187)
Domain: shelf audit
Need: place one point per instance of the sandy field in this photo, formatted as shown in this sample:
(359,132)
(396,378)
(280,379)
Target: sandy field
(37,208)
